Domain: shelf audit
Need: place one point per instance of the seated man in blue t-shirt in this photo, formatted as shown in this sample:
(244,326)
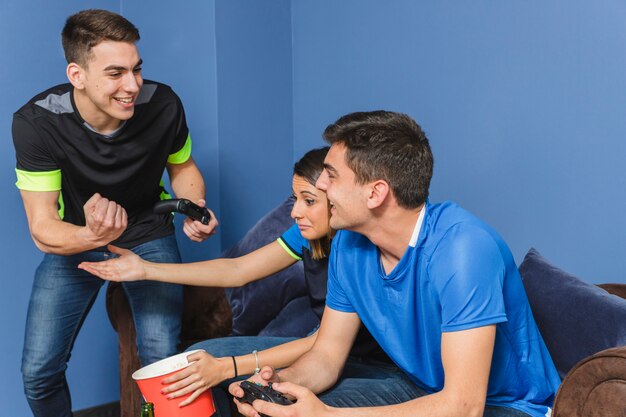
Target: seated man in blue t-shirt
(436,287)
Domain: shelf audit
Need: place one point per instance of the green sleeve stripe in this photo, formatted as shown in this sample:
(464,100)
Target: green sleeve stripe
(38,181)
(61,206)
(183,155)
(164,194)
(288,250)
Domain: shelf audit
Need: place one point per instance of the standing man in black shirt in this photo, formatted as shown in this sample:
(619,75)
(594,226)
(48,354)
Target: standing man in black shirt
(90,157)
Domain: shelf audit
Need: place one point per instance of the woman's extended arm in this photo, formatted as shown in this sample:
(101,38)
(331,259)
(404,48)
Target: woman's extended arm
(207,371)
(222,272)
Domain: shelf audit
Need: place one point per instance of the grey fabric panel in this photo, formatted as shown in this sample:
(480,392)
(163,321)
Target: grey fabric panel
(57,104)
(145,94)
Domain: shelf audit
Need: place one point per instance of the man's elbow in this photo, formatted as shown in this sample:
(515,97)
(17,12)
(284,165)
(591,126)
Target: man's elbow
(464,406)
(470,408)
(474,410)
(42,246)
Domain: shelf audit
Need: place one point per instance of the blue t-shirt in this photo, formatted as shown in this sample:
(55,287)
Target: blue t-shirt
(459,275)
(316,278)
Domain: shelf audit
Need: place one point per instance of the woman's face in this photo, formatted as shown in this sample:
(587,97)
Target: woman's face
(310,210)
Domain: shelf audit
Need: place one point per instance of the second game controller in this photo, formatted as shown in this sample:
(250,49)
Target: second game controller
(252,391)
(183,206)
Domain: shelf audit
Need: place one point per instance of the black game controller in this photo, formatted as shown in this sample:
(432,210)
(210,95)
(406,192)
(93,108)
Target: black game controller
(252,391)
(183,206)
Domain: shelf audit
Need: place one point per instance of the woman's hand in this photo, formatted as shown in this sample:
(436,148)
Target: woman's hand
(264,377)
(127,267)
(204,372)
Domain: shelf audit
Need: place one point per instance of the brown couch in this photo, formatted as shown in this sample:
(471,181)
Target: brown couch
(595,387)
(584,328)
(580,323)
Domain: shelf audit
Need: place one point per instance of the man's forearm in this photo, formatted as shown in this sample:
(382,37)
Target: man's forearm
(306,371)
(434,405)
(320,367)
(187,181)
(61,238)
(105,221)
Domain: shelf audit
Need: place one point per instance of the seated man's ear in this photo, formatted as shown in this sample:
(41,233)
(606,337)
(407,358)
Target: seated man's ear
(378,191)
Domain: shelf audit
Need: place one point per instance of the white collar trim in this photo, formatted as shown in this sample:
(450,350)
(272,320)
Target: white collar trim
(418,227)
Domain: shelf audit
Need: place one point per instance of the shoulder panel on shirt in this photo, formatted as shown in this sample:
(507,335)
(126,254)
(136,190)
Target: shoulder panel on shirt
(57,104)
(146,93)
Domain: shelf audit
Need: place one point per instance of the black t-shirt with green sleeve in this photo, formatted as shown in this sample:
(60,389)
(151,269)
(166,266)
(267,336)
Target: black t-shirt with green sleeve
(56,150)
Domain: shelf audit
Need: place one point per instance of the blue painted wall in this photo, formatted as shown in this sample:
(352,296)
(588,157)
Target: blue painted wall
(178,47)
(522,102)
(255,110)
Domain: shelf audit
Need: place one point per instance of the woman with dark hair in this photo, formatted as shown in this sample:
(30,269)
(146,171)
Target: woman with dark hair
(308,240)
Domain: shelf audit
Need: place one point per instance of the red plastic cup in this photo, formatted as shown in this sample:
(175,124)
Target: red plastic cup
(149,380)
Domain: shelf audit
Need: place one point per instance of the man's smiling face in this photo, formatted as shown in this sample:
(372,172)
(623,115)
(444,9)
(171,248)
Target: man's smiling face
(110,83)
(347,198)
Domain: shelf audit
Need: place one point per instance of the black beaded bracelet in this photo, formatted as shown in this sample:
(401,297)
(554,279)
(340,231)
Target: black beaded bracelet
(235,366)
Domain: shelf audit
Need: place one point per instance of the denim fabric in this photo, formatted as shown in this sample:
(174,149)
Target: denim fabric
(61,298)
(362,384)
(503,412)
(296,319)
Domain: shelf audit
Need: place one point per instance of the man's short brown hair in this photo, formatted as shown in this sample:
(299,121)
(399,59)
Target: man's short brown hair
(388,146)
(87,28)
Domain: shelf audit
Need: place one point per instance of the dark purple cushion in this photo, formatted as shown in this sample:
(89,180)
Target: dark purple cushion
(576,319)
(256,304)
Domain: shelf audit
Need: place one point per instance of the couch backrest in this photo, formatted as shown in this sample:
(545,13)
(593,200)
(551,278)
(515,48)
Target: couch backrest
(575,318)
(256,304)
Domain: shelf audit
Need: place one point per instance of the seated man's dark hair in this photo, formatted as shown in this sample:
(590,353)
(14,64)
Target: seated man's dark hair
(87,28)
(382,145)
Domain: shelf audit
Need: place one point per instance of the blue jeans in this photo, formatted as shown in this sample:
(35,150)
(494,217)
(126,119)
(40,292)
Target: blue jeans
(60,300)
(363,383)
(296,318)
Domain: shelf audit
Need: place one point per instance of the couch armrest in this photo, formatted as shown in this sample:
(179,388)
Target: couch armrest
(206,314)
(594,387)
(121,319)
(615,289)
